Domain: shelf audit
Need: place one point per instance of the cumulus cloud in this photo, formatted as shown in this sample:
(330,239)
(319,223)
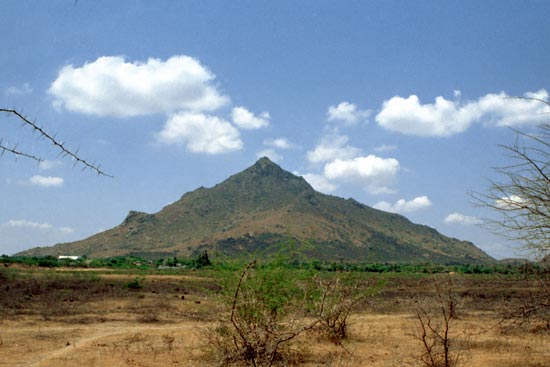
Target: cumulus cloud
(46,181)
(111,86)
(445,117)
(457,218)
(280,143)
(247,120)
(348,113)
(503,110)
(18,90)
(374,173)
(271,154)
(21,223)
(332,147)
(403,206)
(201,133)
(408,116)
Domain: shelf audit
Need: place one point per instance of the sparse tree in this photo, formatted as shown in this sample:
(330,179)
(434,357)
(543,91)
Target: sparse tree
(521,197)
(43,134)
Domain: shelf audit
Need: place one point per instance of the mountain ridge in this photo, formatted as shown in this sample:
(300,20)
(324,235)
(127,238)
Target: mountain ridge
(264,205)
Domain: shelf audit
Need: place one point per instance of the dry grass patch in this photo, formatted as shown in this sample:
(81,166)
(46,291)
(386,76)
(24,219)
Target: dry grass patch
(105,324)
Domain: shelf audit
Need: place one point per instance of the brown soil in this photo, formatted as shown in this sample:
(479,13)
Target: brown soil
(105,324)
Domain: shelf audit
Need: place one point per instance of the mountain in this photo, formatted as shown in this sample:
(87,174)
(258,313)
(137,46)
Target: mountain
(262,207)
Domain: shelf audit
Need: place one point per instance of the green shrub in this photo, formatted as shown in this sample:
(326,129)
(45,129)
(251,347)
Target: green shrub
(268,306)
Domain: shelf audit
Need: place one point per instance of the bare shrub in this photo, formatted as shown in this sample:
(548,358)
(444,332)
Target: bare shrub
(435,326)
(169,340)
(343,294)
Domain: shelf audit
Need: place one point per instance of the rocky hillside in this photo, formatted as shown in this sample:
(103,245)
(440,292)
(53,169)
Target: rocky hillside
(262,207)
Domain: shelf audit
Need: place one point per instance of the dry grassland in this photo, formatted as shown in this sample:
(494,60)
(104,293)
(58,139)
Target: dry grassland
(50,320)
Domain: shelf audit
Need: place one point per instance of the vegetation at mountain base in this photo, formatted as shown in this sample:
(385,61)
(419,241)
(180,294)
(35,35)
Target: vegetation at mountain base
(175,265)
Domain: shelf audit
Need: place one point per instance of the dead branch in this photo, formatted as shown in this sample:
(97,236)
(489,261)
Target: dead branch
(14,151)
(521,197)
(434,329)
(64,151)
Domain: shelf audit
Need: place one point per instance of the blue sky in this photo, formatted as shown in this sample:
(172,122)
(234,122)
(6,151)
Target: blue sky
(398,104)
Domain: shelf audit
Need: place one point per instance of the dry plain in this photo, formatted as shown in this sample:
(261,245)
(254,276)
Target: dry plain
(92,318)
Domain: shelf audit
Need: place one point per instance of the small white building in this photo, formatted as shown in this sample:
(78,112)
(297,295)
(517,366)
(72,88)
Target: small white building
(61,257)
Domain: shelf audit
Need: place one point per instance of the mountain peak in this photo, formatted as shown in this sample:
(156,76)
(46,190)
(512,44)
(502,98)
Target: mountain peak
(265,167)
(268,177)
(264,161)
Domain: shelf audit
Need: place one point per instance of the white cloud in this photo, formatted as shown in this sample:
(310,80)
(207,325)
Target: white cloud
(503,110)
(347,113)
(408,116)
(21,223)
(319,182)
(457,218)
(246,119)
(446,117)
(110,86)
(375,173)
(18,90)
(201,133)
(48,181)
(271,154)
(280,143)
(30,225)
(46,165)
(332,147)
(404,206)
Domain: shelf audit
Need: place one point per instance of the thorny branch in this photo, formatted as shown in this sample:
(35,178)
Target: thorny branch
(64,151)
(14,151)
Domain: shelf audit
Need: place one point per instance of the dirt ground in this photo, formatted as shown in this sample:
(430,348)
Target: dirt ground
(375,340)
(164,322)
